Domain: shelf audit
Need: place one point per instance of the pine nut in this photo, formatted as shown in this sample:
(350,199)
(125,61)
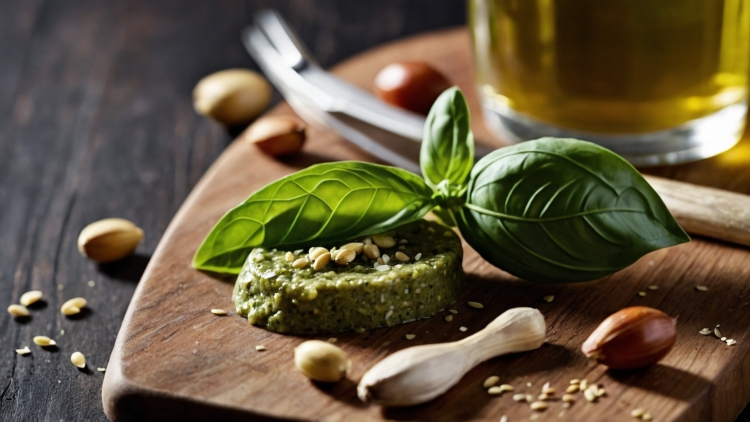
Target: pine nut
(18,310)
(371,251)
(384,241)
(321,261)
(30,297)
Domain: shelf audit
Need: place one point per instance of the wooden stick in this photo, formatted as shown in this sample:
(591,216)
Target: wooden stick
(704,211)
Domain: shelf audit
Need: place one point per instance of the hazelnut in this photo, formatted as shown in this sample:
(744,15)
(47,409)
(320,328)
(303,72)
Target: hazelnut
(276,135)
(321,361)
(232,96)
(632,338)
(411,85)
(109,240)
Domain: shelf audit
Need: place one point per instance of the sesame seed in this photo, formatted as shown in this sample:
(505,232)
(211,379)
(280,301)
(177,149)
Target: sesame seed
(418,256)
(723,339)
(490,381)
(653,287)
(410,336)
(548,298)
(548,391)
(462,328)
(705,331)
(453,311)
(701,288)
(24,351)
(475,305)
(449,318)
(542,397)
(92,283)
(268,275)
(218,312)
(528,384)
(382,268)
(101,369)
(641,294)
(298,251)
(386,259)
(731,342)
(260,348)
(30,297)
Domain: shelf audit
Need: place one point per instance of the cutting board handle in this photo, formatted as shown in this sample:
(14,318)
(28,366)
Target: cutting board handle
(704,211)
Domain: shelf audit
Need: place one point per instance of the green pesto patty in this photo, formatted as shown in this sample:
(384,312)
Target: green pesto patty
(360,295)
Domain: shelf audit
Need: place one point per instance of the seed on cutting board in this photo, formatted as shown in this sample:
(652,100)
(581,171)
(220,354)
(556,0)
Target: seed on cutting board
(600,392)
(575,381)
(491,381)
(717,333)
(705,331)
(538,405)
(463,329)
(568,398)
(101,369)
(701,288)
(542,397)
(73,306)
(453,311)
(641,294)
(495,390)
(44,341)
(78,359)
(24,351)
(30,297)
(18,310)
(731,342)
(723,339)
(506,387)
(332,340)
(548,391)
(572,388)
(583,384)
(653,287)
(410,336)
(519,397)
(475,305)
(449,318)
(646,416)
(218,312)
(260,348)
(637,413)
(589,395)
(548,298)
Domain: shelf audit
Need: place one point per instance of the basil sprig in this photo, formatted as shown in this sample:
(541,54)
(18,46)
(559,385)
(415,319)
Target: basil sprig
(550,210)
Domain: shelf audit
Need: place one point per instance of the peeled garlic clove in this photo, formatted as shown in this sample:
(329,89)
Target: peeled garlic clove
(232,96)
(321,361)
(632,338)
(276,135)
(109,240)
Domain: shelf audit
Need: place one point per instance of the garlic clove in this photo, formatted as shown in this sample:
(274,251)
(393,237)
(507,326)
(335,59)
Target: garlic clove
(321,361)
(232,96)
(632,338)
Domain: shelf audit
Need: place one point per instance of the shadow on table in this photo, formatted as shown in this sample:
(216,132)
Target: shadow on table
(664,380)
(126,269)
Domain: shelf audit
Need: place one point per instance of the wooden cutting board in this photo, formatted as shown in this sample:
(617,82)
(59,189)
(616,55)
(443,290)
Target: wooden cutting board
(174,360)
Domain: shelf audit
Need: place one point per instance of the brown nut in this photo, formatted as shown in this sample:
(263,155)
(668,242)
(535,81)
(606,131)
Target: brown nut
(410,85)
(232,96)
(109,240)
(276,135)
(632,338)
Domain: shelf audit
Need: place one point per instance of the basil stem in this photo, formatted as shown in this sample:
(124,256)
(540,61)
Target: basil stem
(323,203)
(560,210)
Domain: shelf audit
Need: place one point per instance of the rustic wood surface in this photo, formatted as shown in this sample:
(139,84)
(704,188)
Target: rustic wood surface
(96,121)
(175,360)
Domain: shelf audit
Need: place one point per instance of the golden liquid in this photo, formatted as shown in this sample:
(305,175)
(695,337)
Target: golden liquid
(612,66)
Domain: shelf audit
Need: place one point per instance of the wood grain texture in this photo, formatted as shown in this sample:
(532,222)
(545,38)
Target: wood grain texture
(96,121)
(174,360)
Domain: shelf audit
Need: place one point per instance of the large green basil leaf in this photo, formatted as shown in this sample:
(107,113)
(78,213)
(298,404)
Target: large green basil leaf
(324,203)
(559,210)
(447,151)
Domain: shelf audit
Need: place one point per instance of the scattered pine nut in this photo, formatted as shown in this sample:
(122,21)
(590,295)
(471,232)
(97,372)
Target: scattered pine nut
(332,340)
(218,312)
(101,369)
(289,257)
(583,384)
(641,294)
(475,305)
(519,397)
(383,241)
(260,348)
(18,311)
(73,306)
(646,416)
(575,381)
(653,287)
(495,390)
(44,341)
(568,398)
(548,391)
(506,387)
(701,288)
(731,342)
(402,256)
(78,359)
(542,397)
(539,405)
(589,395)
(637,413)
(548,298)
(30,297)
(705,331)
(717,333)
(462,329)
(24,351)
(410,336)
(490,381)
(449,318)
(453,311)
(572,388)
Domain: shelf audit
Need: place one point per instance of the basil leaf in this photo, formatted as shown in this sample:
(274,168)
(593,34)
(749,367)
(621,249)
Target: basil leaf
(558,210)
(447,151)
(322,204)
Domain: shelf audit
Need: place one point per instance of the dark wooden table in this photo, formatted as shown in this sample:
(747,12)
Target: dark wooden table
(96,121)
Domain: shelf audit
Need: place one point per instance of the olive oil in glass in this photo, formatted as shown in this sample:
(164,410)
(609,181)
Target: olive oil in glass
(657,81)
